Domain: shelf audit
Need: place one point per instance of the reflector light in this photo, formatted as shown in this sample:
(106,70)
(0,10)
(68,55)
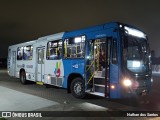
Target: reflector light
(112,87)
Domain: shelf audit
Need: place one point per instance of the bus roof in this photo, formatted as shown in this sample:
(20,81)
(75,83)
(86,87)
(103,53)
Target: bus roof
(90,29)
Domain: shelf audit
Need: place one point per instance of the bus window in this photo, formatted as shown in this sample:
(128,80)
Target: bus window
(28,52)
(74,47)
(19,53)
(54,50)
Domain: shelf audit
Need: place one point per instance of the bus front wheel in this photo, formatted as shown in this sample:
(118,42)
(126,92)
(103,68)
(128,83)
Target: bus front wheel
(23,78)
(78,88)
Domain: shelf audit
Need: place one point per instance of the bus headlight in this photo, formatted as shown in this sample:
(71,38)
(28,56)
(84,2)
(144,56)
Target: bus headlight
(127,82)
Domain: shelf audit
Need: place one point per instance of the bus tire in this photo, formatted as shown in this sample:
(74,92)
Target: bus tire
(23,78)
(78,88)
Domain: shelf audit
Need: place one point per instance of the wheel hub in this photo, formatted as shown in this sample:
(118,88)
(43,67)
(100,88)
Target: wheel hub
(78,88)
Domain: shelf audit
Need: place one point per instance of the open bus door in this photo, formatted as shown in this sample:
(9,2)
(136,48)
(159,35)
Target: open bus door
(97,68)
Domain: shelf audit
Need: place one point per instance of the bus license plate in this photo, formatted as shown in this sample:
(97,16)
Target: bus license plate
(144,93)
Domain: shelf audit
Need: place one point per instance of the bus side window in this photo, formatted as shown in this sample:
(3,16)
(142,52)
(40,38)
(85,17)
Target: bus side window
(114,52)
(19,53)
(28,52)
(54,50)
(74,47)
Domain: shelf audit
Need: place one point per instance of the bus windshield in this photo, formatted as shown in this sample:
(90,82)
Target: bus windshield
(135,54)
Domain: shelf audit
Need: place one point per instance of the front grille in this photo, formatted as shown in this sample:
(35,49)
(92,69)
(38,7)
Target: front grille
(144,84)
(143,81)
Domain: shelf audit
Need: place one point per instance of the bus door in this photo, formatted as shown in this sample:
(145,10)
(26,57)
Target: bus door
(97,67)
(40,64)
(13,63)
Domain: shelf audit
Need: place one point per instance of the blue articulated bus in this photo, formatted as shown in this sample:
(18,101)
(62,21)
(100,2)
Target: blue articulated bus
(111,60)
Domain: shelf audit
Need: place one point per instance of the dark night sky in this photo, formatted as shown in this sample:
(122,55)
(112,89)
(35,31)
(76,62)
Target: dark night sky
(25,20)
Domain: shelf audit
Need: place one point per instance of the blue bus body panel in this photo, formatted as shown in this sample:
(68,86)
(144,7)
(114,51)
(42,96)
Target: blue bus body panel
(77,65)
(72,66)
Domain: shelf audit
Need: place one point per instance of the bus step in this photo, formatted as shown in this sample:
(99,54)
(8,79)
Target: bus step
(99,74)
(99,81)
(99,85)
(97,94)
(39,83)
(99,88)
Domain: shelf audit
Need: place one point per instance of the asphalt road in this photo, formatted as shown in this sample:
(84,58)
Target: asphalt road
(66,102)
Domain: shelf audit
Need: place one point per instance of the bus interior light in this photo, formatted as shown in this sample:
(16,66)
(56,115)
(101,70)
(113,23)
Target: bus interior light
(136,64)
(77,39)
(88,57)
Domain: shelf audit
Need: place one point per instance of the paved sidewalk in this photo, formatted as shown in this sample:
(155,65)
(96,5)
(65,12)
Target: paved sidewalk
(12,100)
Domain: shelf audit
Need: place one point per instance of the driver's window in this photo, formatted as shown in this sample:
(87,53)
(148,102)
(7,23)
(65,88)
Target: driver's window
(144,46)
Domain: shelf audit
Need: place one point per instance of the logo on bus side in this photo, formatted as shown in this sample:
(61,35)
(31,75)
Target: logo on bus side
(21,66)
(75,65)
(29,66)
(57,70)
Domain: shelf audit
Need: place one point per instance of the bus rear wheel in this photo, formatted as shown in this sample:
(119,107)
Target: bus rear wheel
(78,88)
(23,78)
